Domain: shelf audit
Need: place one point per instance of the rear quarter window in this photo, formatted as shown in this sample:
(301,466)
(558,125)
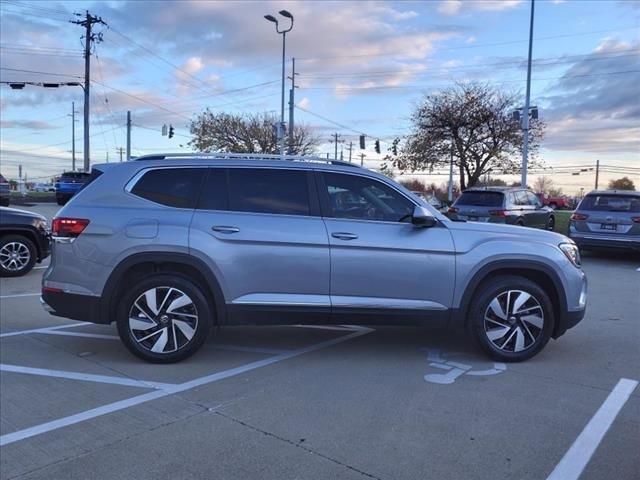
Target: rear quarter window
(173,187)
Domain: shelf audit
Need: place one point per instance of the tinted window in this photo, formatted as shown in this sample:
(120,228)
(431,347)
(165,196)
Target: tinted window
(260,190)
(521,198)
(214,190)
(611,203)
(174,187)
(481,199)
(533,200)
(356,197)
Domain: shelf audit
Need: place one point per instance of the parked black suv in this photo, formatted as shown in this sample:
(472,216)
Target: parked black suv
(24,240)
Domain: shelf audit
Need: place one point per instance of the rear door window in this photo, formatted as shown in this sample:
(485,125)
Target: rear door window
(276,191)
(214,194)
(173,187)
(521,198)
(481,199)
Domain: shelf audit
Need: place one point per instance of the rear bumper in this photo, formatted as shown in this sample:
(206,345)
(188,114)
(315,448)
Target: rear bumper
(602,241)
(71,305)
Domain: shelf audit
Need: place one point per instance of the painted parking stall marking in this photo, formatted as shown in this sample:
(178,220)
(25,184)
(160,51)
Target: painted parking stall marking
(159,389)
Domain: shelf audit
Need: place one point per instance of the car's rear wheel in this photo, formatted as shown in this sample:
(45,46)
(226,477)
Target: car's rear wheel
(164,318)
(511,318)
(17,255)
(551,223)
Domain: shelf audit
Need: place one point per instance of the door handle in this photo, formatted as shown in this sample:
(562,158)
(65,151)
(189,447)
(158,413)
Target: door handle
(225,229)
(344,235)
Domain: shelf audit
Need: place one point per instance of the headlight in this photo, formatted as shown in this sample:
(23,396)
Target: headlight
(572,253)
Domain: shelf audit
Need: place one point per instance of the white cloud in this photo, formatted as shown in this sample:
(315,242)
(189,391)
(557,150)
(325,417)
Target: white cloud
(304,103)
(454,7)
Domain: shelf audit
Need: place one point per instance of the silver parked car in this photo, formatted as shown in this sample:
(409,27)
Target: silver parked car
(608,219)
(512,205)
(170,246)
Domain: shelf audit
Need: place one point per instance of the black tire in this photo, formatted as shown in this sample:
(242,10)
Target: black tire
(4,202)
(163,282)
(480,308)
(551,223)
(520,222)
(60,200)
(18,240)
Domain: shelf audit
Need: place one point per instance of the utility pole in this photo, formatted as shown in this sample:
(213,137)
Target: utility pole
(362,155)
(292,102)
(335,141)
(89,37)
(597,172)
(120,150)
(525,113)
(128,136)
(350,150)
(450,187)
(107,156)
(73,136)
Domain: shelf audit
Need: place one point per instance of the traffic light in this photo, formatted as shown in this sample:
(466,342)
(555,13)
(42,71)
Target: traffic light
(362,146)
(377,146)
(170,131)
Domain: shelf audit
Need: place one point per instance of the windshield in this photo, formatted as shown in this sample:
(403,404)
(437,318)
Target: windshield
(611,203)
(481,199)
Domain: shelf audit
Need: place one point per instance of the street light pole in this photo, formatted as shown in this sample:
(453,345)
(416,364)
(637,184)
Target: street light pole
(271,18)
(525,113)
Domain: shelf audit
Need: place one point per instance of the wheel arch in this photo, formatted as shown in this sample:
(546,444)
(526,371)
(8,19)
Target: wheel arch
(141,264)
(537,272)
(25,232)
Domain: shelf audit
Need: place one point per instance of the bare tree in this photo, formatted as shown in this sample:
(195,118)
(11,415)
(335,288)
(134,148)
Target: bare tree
(473,122)
(543,184)
(225,132)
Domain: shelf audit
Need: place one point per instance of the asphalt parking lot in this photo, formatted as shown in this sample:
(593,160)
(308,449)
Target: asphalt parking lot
(315,403)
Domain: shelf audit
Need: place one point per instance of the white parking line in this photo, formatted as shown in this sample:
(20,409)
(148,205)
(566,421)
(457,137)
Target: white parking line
(87,377)
(41,267)
(137,400)
(79,334)
(43,329)
(578,456)
(240,348)
(18,295)
(339,328)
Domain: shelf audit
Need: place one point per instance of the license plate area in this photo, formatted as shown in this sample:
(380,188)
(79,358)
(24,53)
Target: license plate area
(609,226)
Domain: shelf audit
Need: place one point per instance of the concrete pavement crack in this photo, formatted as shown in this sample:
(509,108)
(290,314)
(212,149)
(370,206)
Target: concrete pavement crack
(298,445)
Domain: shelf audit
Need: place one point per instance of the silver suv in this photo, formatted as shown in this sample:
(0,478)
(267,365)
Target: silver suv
(170,246)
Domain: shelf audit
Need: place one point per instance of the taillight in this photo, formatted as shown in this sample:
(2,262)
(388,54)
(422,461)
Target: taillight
(68,227)
(635,219)
(578,216)
(498,213)
(453,210)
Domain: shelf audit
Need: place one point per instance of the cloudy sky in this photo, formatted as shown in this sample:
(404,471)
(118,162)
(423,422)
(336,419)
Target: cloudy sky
(362,67)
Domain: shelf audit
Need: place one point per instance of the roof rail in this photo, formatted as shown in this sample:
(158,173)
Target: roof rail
(246,156)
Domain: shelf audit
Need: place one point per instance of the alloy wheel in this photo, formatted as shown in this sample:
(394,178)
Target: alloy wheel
(163,320)
(513,321)
(14,256)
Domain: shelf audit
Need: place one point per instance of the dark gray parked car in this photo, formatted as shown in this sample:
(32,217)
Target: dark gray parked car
(607,219)
(514,206)
(24,240)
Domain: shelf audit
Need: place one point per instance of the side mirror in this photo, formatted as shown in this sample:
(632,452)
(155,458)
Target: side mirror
(422,218)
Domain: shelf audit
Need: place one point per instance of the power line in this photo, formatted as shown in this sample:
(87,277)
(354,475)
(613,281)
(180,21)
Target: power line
(464,47)
(40,72)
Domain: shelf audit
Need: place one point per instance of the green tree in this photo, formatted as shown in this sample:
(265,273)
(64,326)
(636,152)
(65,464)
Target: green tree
(624,183)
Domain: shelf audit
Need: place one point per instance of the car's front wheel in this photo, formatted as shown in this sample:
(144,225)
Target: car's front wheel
(551,223)
(17,255)
(164,318)
(511,318)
